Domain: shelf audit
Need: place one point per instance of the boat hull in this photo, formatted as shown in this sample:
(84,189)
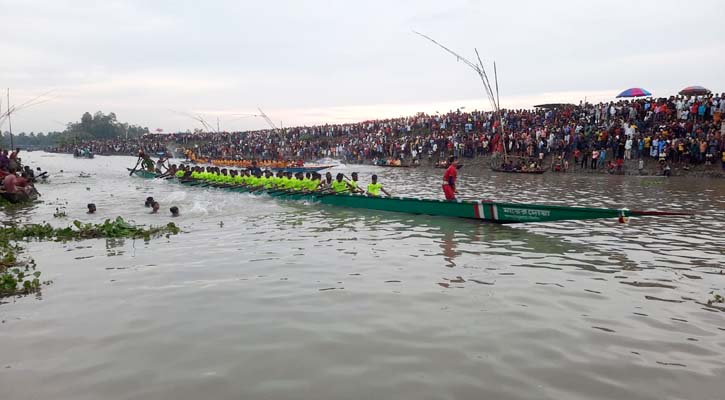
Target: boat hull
(513,171)
(497,212)
(295,170)
(20,197)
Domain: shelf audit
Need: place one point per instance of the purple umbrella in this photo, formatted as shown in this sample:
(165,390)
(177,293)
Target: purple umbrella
(634,92)
(694,91)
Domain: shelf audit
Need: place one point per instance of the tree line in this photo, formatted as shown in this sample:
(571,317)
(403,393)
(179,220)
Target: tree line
(98,126)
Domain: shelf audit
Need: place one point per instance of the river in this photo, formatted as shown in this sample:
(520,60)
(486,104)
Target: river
(264,299)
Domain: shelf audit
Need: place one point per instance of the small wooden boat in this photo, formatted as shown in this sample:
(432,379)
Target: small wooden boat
(397,166)
(82,154)
(20,196)
(482,210)
(445,165)
(519,171)
(303,169)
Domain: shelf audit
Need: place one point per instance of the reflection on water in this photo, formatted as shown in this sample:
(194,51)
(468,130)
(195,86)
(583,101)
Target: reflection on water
(269,299)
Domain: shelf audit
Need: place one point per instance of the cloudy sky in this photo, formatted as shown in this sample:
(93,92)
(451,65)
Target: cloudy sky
(306,62)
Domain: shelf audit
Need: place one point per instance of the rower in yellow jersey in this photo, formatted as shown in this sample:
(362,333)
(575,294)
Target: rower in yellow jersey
(353,184)
(374,188)
(339,186)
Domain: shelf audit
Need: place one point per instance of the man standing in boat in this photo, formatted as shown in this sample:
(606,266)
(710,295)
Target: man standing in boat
(449,179)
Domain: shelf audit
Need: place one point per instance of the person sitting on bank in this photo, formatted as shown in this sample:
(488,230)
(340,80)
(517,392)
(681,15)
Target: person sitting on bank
(374,188)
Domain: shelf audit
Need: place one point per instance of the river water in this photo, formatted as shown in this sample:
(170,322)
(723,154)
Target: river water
(263,299)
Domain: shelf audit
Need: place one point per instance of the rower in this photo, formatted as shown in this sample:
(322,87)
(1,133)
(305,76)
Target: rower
(449,179)
(328,180)
(374,187)
(339,186)
(314,183)
(353,184)
(161,163)
(269,179)
(147,162)
(298,184)
(290,182)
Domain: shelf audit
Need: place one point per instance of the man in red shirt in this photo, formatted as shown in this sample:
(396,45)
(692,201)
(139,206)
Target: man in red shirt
(449,179)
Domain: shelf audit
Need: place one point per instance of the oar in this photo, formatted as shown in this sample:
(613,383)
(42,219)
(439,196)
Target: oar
(136,166)
(640,213)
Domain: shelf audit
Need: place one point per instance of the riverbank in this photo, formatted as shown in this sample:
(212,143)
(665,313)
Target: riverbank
(651,167)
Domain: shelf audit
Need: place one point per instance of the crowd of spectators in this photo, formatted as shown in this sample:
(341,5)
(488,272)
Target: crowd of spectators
(118,146)
(677,129)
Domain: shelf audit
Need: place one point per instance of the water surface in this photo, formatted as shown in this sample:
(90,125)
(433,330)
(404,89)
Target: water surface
(286,300)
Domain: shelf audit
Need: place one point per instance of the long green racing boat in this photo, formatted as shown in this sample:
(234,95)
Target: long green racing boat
(492,211)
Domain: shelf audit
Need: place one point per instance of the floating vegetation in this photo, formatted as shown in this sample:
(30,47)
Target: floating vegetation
(117,228)
(19,277)
(716,299)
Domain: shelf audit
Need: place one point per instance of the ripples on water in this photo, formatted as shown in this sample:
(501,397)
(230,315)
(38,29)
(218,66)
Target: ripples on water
(267,299)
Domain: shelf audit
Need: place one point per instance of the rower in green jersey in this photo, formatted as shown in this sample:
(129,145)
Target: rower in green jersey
(257,181)
(290,182)
(315,182)
(269,180)
(338,185)
(374,188)
(353,184)
(299,183)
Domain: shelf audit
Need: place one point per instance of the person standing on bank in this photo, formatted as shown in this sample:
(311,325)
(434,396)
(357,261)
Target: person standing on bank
(449,179)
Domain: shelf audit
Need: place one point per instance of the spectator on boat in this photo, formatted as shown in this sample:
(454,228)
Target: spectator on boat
(14,160)
(28,174)
(16,184)
(4,161)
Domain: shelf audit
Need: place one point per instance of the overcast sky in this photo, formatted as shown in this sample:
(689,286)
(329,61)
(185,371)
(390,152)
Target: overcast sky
(307,62)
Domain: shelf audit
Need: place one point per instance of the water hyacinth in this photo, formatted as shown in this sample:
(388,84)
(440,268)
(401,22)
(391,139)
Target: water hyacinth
(19,277)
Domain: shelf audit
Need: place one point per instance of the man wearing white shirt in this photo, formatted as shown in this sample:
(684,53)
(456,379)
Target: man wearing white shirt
(628,148)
